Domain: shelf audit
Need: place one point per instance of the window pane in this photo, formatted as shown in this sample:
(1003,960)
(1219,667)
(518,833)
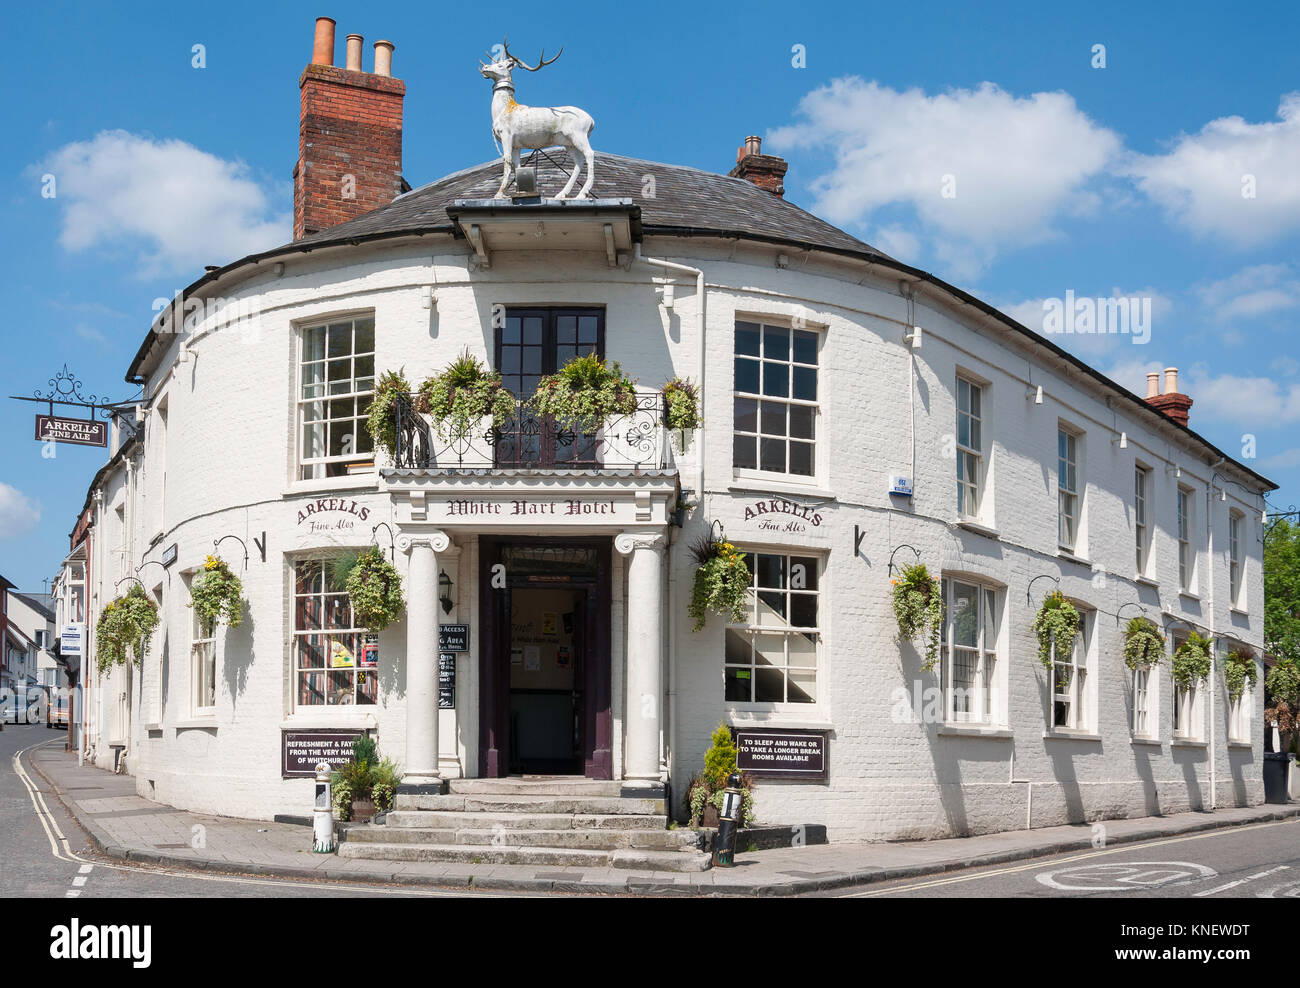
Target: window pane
(746,412)
(803,572)
(532,330)
(737,648)
(739,685)
(771,608)
(364,336)
(747,338)
(803,611)
(744,452)
(776,379)
(769,686)
(805,347)
(801,459)
(801,421)
(747,375)
(776,343)
(771,571)
(805,384)
(965,614)
(772,455)
(773,418)
(803,687)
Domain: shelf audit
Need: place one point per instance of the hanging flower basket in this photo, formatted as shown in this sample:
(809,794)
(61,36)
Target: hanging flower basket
(1192,660)
(217,595)
(721,581)
(918,609)
(1143,643)
(681,404)
(465,392)
(124,628)
(1058,622)
(584,394)
(1239,669)
(375,589)
(392,388)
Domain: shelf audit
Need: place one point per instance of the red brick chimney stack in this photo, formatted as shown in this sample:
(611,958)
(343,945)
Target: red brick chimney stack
(1173,404)
(349,135)
(767,171)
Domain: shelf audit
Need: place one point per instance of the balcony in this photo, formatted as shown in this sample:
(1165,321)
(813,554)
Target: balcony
(636,441)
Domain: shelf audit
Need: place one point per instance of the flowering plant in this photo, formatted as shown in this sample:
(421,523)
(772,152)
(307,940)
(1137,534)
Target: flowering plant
(584,393)
(1057,622)
(918,609)
(1143,643)
(124,627)
(375,589)
(1240,668)
(463,393)
(721,581)
(681,404)
(217,594)
(1192,660)
(382,422)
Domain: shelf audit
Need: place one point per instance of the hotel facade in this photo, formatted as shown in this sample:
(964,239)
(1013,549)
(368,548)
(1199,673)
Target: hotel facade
(858,415)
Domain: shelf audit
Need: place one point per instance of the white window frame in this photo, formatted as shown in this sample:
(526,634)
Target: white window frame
(1143,706)
(1068,522)
(311,468)
(1186,557)
(1075,694)
(986,708)
(970,488)
(788,401)
(1185,716)
(758,623)
(1235,562)
(1141,517)
(349,635)
(203,666)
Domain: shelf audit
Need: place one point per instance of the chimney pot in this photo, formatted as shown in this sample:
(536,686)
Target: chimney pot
(767,171)
(384,58)
(1153,384)
(354,52)
(1171,380)
(323,50)
(753,145)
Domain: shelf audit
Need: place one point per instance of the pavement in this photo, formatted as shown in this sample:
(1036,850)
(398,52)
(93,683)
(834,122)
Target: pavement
(124,825)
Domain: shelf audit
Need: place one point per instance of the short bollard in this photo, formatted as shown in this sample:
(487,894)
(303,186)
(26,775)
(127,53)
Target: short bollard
(724,845)
(323,825)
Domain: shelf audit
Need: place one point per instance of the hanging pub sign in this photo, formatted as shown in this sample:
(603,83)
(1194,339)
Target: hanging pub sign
(74,432)
(781,754)
(447,681)
(453,638)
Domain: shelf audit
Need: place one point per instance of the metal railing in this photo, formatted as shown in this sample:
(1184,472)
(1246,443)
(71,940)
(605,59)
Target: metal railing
(636,440)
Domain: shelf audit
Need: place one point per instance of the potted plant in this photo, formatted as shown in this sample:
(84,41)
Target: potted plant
(1238,670)
(681,404)
(704,793)
(124,628)
(721,581)
(463,393)
(1192,660)
(918,609)
(1057,623)
(391,389)
(385,779)
(217,594)
(584,394)
(1143,643)
(352,784)
(374,587)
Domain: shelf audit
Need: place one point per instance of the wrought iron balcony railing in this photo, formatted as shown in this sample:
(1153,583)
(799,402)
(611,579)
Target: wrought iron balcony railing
(637,440)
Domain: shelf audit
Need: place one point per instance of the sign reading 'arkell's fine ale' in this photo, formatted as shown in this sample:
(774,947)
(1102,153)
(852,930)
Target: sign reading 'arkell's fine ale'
(781,754)
(77,432)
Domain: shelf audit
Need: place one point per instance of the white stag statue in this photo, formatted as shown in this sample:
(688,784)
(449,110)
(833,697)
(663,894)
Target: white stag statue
(516,126)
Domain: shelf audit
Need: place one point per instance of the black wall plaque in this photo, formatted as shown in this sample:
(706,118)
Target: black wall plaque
(453,638)
(782,754)
(301,751)
(447,681)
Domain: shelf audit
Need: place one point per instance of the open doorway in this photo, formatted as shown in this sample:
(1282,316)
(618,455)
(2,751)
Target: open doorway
(547,657)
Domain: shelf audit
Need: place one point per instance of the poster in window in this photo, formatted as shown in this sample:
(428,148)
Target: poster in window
(550,624)
(562,657)
(340,655)
(369,653)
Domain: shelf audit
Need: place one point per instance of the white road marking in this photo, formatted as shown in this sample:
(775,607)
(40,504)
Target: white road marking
(1124,876)
(1117,849)
(1242,881)
(87,869)
(57,838)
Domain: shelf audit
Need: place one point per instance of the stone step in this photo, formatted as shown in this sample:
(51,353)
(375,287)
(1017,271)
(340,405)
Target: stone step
(507,803)
(603,840)
(524,821)
(561,786)
(647,860)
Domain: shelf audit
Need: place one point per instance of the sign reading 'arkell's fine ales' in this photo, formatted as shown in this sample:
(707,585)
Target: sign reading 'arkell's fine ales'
(332,514)
(781,754)
(777,514)
(76,432)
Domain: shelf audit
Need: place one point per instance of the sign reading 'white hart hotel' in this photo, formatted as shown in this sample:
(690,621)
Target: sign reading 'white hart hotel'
(567,552)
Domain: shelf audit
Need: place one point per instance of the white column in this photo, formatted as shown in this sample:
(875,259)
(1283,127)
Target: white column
(422,658)
(642,715)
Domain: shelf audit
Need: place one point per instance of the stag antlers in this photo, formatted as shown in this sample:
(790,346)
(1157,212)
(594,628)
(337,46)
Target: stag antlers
(505,44)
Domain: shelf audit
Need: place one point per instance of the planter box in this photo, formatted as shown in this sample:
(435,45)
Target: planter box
(709,817)
(363,811)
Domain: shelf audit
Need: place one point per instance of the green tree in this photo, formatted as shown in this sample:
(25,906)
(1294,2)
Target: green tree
(1282,589)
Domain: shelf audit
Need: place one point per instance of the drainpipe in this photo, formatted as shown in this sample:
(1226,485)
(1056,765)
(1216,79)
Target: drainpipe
(699,491)
(1214,651)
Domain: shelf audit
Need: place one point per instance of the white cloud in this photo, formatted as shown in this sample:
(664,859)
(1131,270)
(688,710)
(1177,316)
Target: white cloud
(899,242)
(1016,164)
(18,513)
(178,207)
(1252,291)
(1284,460)
(1199,182)
(1254,401)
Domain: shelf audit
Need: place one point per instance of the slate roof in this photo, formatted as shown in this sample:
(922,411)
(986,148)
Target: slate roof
(685,201)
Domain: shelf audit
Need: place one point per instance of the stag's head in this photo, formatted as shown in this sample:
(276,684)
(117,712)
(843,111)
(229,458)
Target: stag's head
(499,69)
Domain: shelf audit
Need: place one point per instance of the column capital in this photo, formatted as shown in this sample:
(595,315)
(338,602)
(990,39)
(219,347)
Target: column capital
(626,542)
(438,541)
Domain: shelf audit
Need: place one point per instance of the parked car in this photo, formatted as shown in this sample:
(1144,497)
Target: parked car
(56,712)
(26,705)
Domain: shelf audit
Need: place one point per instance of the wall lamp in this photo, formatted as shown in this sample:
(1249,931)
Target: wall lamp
(444,590)
(913,336)
(1121,440)
(1035,393)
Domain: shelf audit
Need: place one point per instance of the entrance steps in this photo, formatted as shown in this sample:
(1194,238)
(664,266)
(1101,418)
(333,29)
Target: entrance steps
(558,822)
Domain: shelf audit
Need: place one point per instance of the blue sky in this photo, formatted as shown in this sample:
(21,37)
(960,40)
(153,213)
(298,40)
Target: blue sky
(978,141)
